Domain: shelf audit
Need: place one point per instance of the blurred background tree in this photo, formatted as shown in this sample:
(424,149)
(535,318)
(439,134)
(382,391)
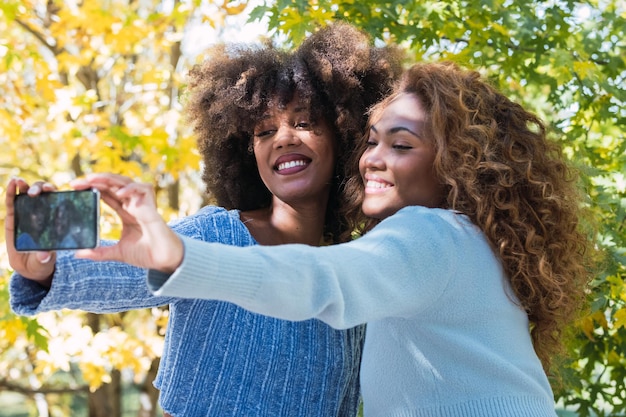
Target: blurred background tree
(94,86)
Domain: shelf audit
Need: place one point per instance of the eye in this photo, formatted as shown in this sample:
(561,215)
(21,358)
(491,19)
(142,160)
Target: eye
(402,147)
(305,125)
(264,133)
(370,143)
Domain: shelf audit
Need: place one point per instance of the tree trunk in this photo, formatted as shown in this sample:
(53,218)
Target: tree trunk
(149,394)
(106,400)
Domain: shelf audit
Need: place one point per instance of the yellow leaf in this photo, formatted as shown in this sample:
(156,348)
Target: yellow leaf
(587,326)
(613,358)
(95,375)
(236,9)
(11,329)
(619,318)
(585,69)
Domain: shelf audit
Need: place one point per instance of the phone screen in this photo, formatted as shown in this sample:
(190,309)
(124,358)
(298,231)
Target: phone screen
(61,220)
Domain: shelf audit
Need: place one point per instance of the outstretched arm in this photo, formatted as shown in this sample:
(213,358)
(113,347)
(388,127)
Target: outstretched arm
(398,269)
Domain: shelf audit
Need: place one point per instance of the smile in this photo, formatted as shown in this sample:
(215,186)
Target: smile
(377,184)
(291,164)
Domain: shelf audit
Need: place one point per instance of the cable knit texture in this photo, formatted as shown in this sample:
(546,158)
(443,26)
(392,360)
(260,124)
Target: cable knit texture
(219,360)
(445,335)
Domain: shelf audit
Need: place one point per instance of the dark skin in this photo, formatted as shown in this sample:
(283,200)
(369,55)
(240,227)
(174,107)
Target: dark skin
(299,192)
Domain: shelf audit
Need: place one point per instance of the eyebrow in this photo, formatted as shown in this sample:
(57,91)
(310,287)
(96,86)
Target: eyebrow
(297,110)
(397,129)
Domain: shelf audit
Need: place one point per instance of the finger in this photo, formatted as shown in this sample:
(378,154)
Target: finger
(48,187)
(138,193)
(103,253)
(39,187)
(10,194)
(139,200)
(111,199)
(80,184)
(110,180)
(8,221)
(102,182)
(117,205)
(21,185)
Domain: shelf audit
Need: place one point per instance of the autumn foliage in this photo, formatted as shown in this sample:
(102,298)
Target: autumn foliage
(96,86)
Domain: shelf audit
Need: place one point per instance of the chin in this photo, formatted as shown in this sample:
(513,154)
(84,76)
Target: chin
(380,213)
(375,214)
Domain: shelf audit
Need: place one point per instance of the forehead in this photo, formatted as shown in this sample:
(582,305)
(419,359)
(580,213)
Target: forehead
(405,108)
(275,111)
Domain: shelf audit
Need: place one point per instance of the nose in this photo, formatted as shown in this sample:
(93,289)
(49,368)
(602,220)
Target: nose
(373,158)
(286,136)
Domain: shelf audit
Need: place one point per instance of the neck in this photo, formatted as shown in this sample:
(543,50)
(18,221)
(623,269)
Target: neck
(287,223)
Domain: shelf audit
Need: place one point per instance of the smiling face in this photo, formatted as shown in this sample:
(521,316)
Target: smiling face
(397,165)
(61,220)
(37,221)
(295,156)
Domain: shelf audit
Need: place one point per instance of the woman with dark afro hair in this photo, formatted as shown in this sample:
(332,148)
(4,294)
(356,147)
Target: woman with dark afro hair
(275,129)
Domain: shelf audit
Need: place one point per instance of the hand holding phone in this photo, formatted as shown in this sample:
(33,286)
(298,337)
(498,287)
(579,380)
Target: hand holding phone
(37,266)
(146,239)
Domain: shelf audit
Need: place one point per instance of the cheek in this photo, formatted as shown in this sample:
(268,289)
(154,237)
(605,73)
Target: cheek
(327,149)
(331,153)
(259,151)
(362,164)
(325,144)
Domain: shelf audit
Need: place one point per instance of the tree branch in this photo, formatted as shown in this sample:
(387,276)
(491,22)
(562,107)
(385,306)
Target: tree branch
(53,48)
(10,386)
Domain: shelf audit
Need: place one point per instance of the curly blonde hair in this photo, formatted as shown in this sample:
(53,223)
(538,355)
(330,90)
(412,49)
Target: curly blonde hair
(499,168)
(337,71)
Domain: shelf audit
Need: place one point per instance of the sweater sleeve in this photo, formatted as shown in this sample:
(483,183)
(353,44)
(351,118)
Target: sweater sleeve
(399,268)
(108,287)
(99,287)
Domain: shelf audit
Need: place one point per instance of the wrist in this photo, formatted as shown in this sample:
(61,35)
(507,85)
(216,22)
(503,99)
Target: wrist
(46,282)
(175,257)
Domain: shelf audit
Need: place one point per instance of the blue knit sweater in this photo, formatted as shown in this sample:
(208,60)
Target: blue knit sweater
(446,336)
(219,360)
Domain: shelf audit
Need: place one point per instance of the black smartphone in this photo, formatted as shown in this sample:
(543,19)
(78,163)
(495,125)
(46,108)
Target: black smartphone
(60,220)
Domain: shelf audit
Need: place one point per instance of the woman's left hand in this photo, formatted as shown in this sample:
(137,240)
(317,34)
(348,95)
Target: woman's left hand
(147,241)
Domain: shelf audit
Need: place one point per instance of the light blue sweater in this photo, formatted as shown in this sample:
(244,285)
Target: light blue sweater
(445,336)
(219,360)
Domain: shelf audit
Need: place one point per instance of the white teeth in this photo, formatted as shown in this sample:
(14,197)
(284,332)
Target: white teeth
(377,184)
(290,164)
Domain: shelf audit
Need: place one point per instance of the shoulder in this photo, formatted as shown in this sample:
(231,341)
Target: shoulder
(414,219)
(213,224)
(25,240)
(435,233)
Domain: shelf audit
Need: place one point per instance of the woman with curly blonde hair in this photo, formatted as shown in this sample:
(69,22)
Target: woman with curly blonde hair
(468,271)
(499,169)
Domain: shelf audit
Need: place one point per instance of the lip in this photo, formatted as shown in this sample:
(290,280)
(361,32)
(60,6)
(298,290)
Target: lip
(291,163)
(375,184)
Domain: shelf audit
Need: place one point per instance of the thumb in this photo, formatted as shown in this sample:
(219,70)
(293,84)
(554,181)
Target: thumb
(43,257)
